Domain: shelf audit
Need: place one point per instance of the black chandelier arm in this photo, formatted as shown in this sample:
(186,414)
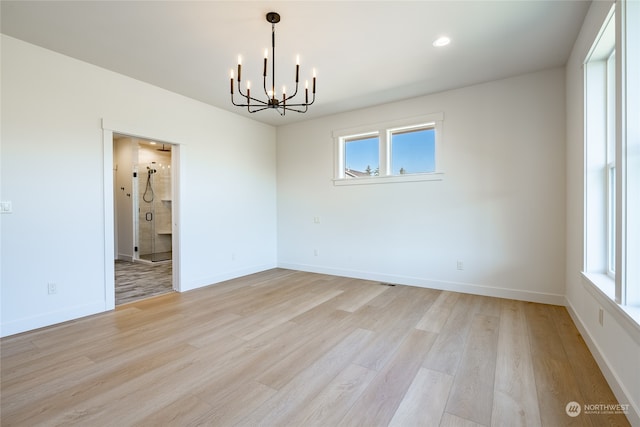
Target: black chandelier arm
(304,104)
(306,101)
(306,107)
(281,108)
(256,110)
(284,103)
(259,101)
(243,95)
(294,93)
(246,96)
(312,100)
(299,104)
(272,98)
(252,107)
(264,85)
(256,102)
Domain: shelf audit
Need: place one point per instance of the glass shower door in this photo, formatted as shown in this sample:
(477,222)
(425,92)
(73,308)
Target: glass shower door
(147,212)
(153,213)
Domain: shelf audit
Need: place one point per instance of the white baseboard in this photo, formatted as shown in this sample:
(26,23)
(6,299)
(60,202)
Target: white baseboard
(124,257)
(617,386)
(467,288)
(51,318)
(212,280)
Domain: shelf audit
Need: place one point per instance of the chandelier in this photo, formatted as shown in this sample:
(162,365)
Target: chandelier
(282,103)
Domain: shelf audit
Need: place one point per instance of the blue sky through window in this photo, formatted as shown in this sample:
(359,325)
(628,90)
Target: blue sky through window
(360,153)
(412,151)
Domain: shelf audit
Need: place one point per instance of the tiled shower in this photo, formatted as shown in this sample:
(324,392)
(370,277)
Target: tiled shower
(154,202)
(143,199)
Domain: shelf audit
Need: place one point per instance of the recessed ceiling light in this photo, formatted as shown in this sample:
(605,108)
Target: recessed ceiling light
(442,41)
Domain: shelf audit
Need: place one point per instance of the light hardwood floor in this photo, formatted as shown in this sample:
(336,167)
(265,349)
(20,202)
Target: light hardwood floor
(285,348)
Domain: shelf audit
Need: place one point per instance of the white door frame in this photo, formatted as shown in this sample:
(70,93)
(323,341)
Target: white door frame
(177,161)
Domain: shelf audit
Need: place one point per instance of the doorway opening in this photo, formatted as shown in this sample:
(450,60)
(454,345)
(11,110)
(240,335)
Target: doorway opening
(143,218)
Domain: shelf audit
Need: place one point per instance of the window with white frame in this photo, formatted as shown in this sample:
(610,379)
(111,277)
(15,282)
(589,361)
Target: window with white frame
(413,150)
(404,150)
(610,144)
(628,158)
(361,156)
(612,159)
(600,148)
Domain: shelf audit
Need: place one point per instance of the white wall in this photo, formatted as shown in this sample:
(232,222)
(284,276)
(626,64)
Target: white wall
(615,344)
(500,208)
(52,170)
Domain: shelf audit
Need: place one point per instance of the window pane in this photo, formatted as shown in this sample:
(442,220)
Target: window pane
(611,219)
(361,157)
(413,151)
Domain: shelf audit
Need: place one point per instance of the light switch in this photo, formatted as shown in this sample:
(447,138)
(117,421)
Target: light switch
(5,207)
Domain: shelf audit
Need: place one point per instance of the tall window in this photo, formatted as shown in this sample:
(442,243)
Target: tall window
(610,144)
(600,164)
(612,158)
(628,157)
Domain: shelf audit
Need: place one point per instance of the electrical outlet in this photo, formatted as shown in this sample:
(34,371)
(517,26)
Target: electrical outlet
(601,316)
(316,252)
(460,265)
(52,288)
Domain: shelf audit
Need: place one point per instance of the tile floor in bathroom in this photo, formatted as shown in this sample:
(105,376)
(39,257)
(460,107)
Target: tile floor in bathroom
(138,280)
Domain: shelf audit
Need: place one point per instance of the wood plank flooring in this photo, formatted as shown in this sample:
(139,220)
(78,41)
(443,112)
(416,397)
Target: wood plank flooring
(286,348)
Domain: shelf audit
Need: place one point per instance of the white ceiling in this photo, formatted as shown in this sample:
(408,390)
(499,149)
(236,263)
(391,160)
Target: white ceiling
(365,52)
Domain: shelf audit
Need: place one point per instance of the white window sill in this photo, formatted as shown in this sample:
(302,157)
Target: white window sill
(604,283)
(602,287)
(435,176)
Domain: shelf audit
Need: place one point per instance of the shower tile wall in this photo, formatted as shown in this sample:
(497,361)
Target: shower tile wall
(161,203)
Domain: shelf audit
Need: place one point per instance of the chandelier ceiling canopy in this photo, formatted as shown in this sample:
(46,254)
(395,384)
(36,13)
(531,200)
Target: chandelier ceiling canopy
(281,103)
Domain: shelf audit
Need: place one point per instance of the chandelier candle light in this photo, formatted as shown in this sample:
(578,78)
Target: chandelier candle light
(284,104)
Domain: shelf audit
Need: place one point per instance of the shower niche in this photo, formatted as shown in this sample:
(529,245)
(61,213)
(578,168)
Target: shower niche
(143,200)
